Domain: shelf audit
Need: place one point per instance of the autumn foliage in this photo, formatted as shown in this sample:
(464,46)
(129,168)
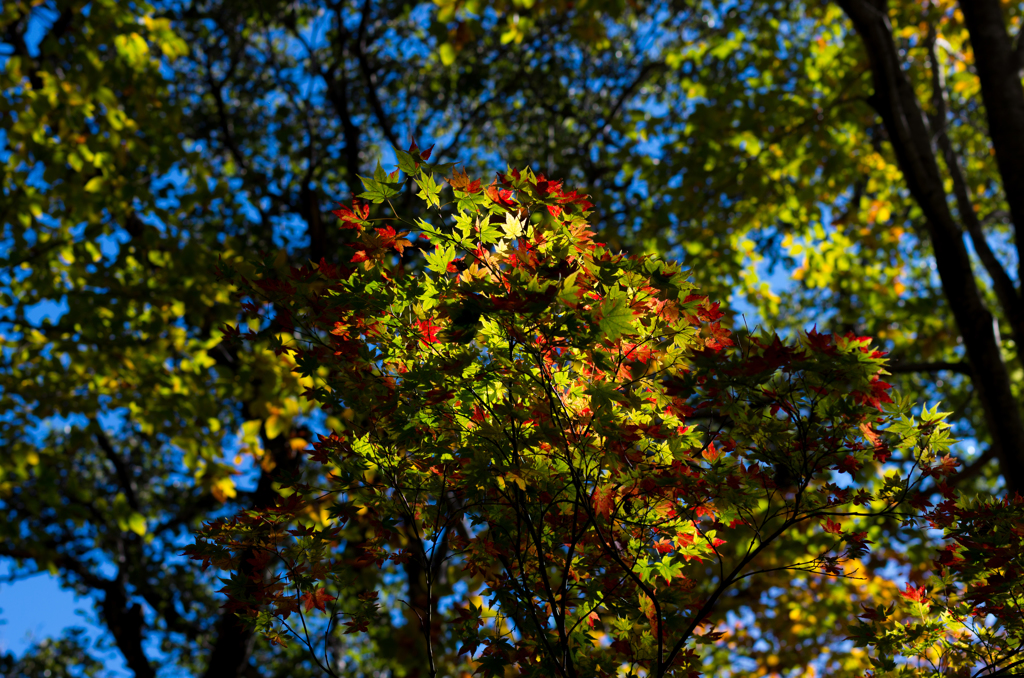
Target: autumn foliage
(572,454)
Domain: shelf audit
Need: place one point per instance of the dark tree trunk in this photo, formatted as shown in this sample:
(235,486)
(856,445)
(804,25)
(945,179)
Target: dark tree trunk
(911,137)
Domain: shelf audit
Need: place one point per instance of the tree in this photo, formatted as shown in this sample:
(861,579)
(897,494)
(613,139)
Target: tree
(277,107)
(116,416)
(128,435)
(887,114)
(568,428)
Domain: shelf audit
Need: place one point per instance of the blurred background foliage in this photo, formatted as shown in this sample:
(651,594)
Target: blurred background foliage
(851,165)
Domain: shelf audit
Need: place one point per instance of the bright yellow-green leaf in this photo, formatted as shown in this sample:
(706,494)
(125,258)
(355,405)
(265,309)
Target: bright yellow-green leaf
(137,523)
(447,54)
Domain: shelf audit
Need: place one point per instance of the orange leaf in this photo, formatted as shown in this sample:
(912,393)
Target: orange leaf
(318,599)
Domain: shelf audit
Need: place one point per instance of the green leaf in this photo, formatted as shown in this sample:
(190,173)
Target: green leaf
(382,186)
(429,190)
(377,191)
(616,317)
(439,259)
(407,163)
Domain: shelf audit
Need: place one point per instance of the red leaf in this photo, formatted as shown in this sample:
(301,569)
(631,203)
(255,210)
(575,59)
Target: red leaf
(499,195)
(428,330)
(823,343)
(604,501)
(354,217)
(663,546)
(848,464)
(318,599)
(357,626)
(916,595)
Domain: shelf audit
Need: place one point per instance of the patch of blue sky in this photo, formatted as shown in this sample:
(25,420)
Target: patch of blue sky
(36,608)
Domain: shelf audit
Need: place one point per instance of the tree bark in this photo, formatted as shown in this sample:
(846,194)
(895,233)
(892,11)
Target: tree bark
(126,625)
(234,644)
(1001,90)
(897,104)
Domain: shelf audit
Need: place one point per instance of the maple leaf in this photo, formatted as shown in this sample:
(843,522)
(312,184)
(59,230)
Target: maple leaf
(428,331)
(869,433)
(616,318)
(355,216)
(710,453)
(460,181)
(604,501)
(848,464)
(387,237)
(833,527)
(500,196)
(317,599)
(823,343)
(913,594)
(663,546)
(357,626)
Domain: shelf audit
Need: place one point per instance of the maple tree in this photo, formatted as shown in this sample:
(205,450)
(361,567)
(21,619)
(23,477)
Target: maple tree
(575,437)
(869,150)
(740,138)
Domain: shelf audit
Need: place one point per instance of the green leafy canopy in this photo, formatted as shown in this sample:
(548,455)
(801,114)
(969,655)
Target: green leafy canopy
(569,432)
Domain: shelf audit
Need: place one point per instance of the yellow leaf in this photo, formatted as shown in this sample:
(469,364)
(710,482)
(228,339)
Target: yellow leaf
(275,426)
(134,48)
(95,185)
(447,54)
(512,227)
(137,523)
(251,430)
(267,462)
(224,489)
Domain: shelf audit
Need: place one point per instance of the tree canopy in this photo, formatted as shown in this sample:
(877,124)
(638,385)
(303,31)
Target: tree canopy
(851,165)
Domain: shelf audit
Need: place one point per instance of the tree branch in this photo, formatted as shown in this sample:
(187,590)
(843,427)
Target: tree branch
(124,475)
(1005,289)
(997,64)
(896,102)
(370,75)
